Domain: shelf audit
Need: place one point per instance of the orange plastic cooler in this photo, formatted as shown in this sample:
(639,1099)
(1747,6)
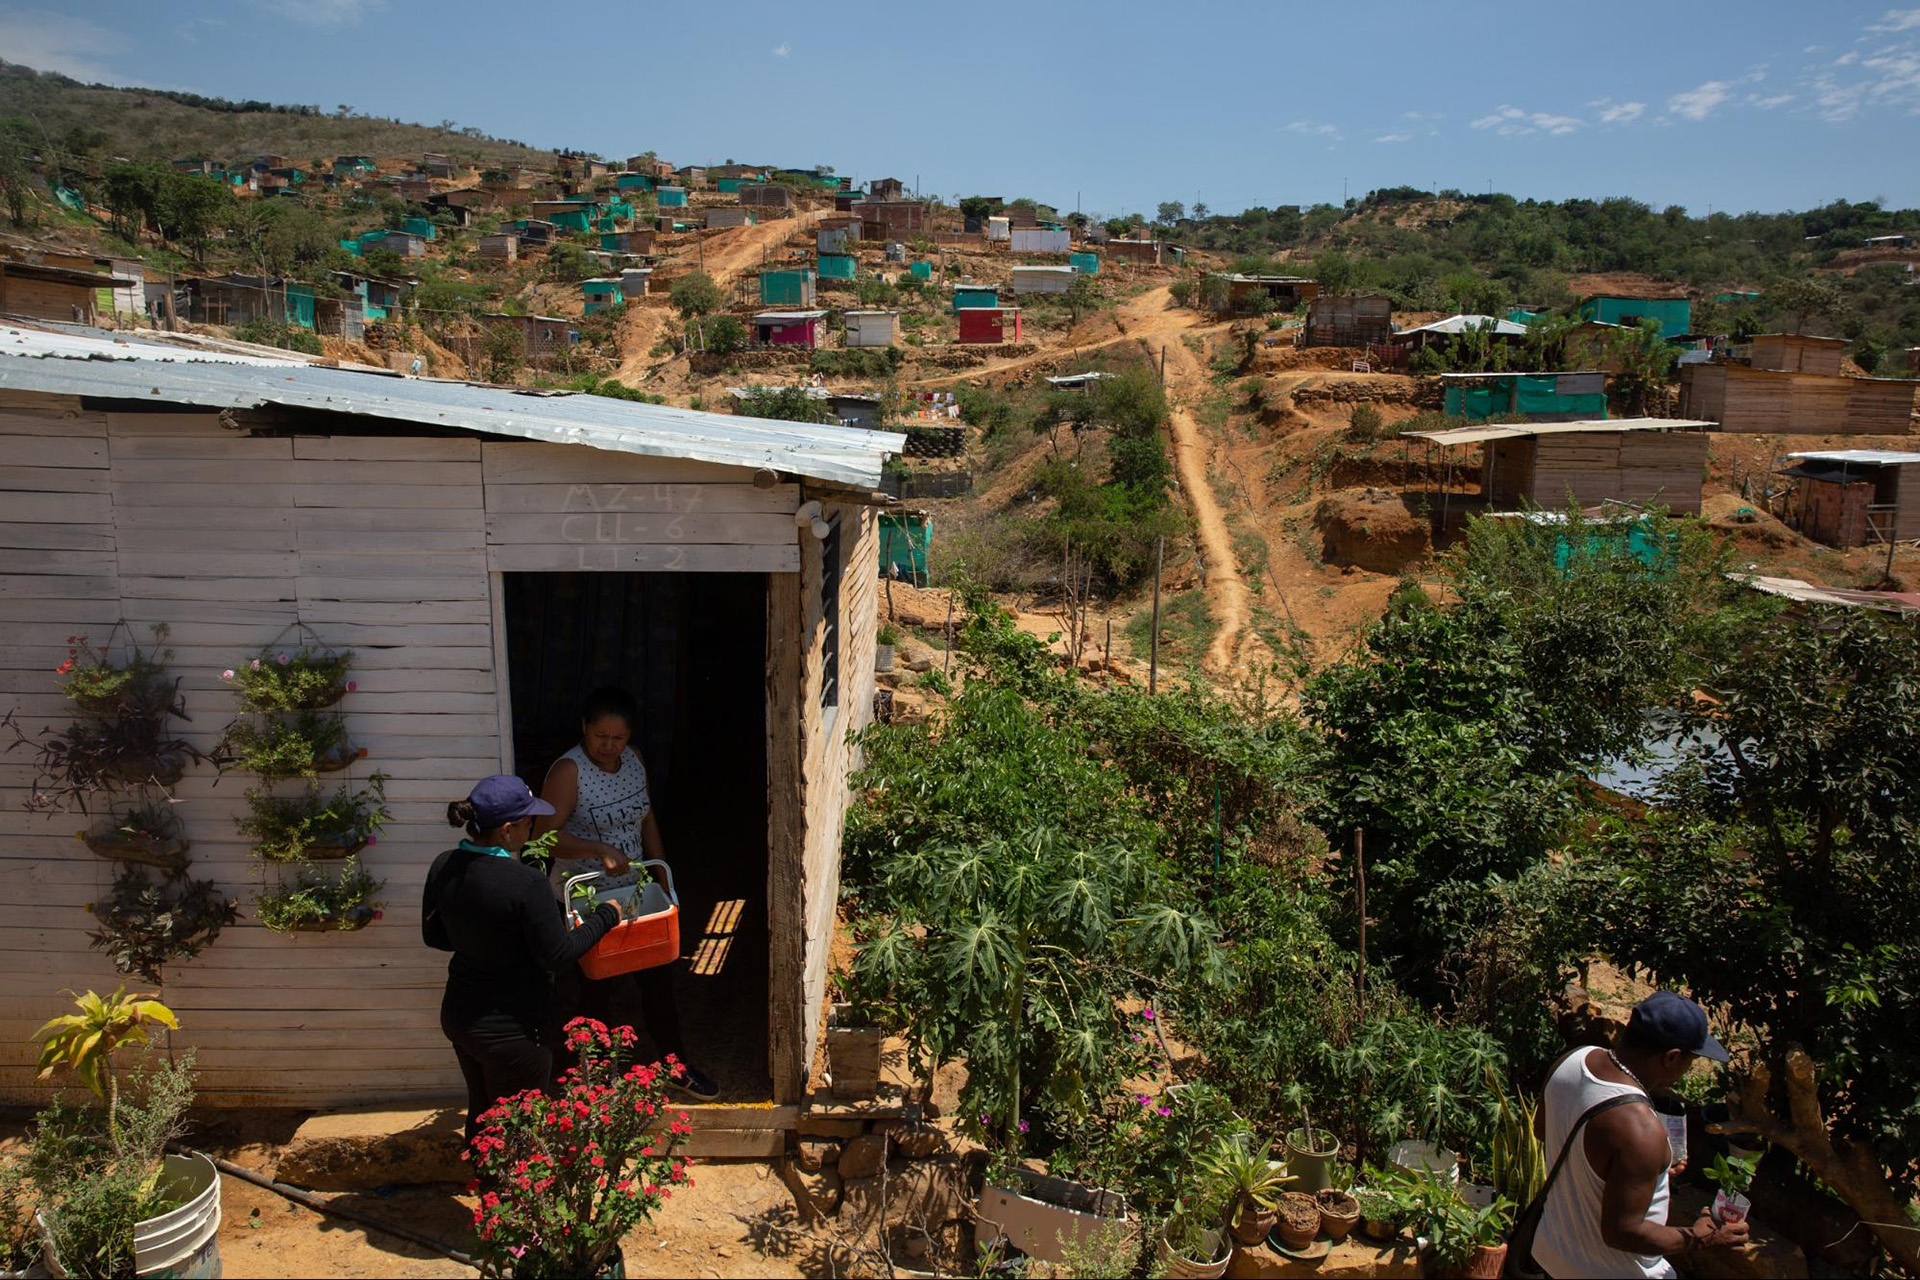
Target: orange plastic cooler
(643,941)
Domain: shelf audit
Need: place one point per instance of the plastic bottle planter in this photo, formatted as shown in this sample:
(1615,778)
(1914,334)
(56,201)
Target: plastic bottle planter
(162,769)
(124,840)
(349,921)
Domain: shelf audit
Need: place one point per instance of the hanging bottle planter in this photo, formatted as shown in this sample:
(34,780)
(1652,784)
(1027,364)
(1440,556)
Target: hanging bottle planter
(315,826)
(310,677)
(147,833)
(318,903)
(297,745)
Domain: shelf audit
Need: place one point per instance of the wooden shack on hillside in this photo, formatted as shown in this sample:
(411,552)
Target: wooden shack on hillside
(1284,292)
(487,556)
(1851,497)
(67,294)
(1790,384)
(1348,320)
(1639,461)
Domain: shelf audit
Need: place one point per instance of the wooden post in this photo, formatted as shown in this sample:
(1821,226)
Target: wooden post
(1360,873)
(946,635)
(1153,650)
(889,599)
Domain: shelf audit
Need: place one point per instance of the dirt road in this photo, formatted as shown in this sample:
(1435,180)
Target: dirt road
(728,254)
(1161,332)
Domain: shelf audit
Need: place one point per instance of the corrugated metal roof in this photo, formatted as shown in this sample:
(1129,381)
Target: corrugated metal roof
(1461,323)
(1876,457)
(1506,431)
(1561,373)
(93,363)
(1811,593)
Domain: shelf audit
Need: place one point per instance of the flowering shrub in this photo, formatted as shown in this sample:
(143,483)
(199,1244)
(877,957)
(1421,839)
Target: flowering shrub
(303,679)
(562,1179)
(313,824)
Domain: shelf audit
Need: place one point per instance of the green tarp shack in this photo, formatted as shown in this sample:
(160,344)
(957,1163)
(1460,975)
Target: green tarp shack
(602,293)
(1539,397)
(1087,264)
(1673,316)
(419,227)
(793,287)
(975,295)
(633,182)
(728,186)
(905,539)
(838,266)
(921,270)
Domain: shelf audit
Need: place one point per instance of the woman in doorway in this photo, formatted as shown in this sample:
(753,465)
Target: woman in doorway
(600,806)
(508,938)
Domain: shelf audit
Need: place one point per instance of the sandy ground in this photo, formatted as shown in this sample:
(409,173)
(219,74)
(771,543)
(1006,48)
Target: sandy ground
(736,1220)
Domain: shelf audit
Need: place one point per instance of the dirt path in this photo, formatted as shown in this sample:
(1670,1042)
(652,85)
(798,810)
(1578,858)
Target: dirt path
(1227,596)
(728,254)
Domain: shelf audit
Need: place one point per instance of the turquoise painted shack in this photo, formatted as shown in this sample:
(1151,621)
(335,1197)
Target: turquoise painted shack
(838,266)
(1087,264)
(793,287)
(728,186)
(921,270)
(672,197)
(602,294)
(299,304)
(975,295)
(633,182)
(419,227)
(1672,316)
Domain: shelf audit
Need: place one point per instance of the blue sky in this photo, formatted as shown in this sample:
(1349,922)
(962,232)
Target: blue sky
(1116,106)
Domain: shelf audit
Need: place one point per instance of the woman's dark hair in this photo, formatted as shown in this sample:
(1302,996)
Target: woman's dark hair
(610,700)
(460,814)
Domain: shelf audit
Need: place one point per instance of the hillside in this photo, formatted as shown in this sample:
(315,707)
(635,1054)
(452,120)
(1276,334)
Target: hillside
(146,124)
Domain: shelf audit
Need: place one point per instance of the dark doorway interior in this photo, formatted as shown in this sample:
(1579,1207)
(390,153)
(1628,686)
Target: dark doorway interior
(692,649)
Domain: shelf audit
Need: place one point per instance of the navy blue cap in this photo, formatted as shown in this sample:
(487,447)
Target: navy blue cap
(1665,1020)
(502,798)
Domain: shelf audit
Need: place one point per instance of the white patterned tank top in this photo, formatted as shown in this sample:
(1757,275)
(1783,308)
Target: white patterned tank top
(607,807)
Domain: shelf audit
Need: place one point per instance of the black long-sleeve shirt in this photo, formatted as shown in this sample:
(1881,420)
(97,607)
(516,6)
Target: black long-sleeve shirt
(507,933)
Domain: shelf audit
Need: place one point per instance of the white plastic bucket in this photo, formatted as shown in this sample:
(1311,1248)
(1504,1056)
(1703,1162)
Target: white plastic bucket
(186,1242)
(1424,1159)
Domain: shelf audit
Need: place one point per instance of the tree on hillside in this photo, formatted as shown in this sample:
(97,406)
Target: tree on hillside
(979,207)
(694,296)
(1170,212)
(1336,272)
(791,404)
(1082,295)
(1802,299)
(1119,226)
(15,176)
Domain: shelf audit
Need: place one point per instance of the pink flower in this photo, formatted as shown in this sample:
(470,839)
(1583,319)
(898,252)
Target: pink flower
(1023,1126)
(227,674)
(373,839)
(352,685)
(255,664)
(1147,1013)
(1163,1111)
(282,659)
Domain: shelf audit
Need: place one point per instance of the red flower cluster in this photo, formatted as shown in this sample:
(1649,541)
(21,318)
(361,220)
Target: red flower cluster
(568,1175)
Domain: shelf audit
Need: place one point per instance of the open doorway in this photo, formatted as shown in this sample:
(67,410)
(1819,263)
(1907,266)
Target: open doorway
(692,648)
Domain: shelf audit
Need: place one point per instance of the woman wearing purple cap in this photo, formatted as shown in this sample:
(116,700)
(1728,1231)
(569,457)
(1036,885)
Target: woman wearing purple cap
(508,938)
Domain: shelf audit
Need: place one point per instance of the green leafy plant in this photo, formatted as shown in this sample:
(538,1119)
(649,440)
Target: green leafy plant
(345,900)
(888,635)
(1733,1175)
(1519,1165)
(137,686)
(145,926)
(313,824)
(1248,1172)
(1457,1229)
(299,745)
(84,1042)
(302,679)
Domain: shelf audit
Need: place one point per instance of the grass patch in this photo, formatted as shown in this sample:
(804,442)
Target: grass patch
(1186,629)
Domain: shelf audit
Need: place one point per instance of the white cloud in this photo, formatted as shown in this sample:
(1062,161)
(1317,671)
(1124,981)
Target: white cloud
(328,14)
(1313,129)
(1897,20)
(1394,137)
(1512,122)
(782,49)
(56,42)
(1619,112)
(1759,103)
(1698,104)
(1847,59)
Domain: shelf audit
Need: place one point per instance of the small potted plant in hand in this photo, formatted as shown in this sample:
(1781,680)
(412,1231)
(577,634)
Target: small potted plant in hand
(1254,1182)
(1732,1178)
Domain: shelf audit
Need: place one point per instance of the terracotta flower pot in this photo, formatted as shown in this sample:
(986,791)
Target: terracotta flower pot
(1299,1220)
(1254,1225)
(1487,1262)
(1339,1212)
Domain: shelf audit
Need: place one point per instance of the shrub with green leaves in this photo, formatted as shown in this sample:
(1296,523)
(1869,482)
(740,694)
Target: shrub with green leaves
(346,899)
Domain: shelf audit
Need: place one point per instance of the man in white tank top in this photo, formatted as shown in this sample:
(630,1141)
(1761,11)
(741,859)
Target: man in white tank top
(1606,1214)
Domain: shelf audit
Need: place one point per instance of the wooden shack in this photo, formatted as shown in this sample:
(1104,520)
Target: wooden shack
(541,337)
(1142,251)
(1285,292)
(1639,461)
(1797,353)
(767,195)
(1348,320)
(1740,397)
(66,294)
(1851,497)
(484,576)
